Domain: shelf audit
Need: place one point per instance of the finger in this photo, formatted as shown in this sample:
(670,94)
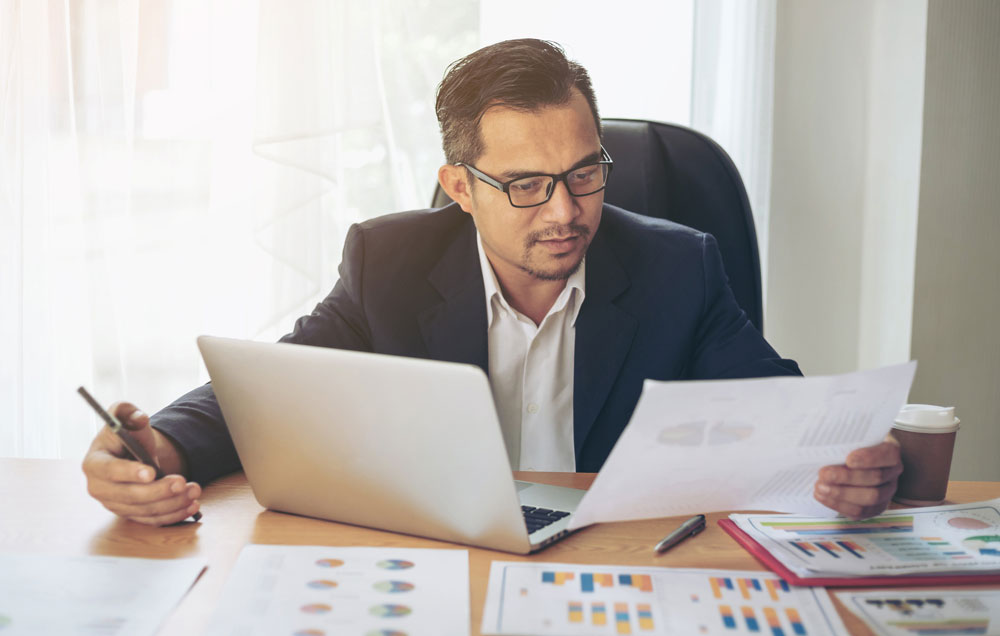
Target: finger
(849,510)
(877,456)
(853,511)
(857,503)
(169,506)
(130,415)
(168,519)
(844,476)
(138,494)
(101,464)
(859,496)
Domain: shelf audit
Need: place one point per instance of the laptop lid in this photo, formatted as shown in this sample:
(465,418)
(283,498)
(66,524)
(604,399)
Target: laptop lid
(401,444)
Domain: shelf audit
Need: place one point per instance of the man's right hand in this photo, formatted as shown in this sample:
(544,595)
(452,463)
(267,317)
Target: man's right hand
(129,488)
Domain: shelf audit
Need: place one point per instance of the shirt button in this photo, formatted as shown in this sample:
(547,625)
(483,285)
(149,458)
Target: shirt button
(532,408)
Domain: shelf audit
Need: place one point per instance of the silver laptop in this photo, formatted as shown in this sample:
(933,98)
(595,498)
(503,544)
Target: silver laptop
(387,442)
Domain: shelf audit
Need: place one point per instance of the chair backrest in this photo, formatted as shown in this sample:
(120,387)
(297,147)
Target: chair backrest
(673,172)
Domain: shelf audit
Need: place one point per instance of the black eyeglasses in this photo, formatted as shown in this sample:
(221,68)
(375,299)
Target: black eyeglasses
(527,192)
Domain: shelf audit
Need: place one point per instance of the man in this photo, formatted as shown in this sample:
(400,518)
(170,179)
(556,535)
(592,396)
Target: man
(567,303)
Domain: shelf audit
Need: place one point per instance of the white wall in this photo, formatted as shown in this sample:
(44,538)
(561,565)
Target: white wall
(891,178)
(822,66)
(616,42)
(885,218)
(957,293)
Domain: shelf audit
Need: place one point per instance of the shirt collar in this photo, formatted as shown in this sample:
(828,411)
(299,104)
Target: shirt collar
(574,290)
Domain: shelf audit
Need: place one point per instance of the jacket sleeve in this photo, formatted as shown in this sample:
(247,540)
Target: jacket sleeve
(727,345)
(194,421)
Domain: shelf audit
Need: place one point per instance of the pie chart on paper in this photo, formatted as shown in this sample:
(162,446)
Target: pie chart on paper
(322,584)
(687,434)
(729,432)
(393,586)
(968,523)
(395,564)
(390,611)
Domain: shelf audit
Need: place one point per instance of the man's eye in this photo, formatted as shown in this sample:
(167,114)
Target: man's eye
(527,185)
(583,174)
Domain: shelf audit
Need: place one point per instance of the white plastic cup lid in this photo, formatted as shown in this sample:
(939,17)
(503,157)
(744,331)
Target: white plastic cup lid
(927,418)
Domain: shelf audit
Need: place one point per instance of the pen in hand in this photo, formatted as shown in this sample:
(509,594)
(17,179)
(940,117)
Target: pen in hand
(689,528)
(132,446)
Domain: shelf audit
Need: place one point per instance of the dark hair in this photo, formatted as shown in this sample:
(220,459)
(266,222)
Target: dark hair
(524,74)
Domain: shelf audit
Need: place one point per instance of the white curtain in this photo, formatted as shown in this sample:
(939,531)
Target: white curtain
(176,167)
(732,94)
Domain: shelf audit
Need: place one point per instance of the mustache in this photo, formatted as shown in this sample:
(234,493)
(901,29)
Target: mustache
(559,231)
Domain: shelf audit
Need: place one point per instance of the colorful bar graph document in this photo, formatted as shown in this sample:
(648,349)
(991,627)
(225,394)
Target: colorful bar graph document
(43,594)
(557,598)
(962,538)
(753,444)
(926,612)
(322,590)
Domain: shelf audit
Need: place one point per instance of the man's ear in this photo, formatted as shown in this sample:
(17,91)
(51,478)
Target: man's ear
(455,181)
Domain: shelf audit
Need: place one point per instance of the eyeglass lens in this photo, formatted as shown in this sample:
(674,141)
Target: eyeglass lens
(531,191)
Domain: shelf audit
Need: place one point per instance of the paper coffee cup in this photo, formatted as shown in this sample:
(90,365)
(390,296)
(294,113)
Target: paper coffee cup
(926,436)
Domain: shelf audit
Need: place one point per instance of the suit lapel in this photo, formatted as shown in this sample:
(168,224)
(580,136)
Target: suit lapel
(604,336)
(454,329)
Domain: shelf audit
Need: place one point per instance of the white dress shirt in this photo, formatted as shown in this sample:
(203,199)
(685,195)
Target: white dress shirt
(531,374)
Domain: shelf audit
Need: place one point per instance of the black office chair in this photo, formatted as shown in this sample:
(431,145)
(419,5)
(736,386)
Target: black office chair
(676,173)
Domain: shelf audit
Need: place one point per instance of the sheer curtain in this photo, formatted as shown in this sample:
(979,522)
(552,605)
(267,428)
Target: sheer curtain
(179,167)
(732,94)
(176,167)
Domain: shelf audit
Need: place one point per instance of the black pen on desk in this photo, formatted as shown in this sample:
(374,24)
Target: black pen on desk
(689,528)
(134,448)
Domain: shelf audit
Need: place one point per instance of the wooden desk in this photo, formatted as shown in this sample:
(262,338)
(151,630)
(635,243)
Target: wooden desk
(46,509)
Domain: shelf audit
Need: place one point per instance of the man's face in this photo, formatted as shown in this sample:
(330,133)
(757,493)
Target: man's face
(545,242)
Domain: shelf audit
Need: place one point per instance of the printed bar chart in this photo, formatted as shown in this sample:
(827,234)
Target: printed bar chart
(576,615)
(950,627)
(846,526)
(798,628)
(591,581)
(773,585)
(641,581)
(557,578)
(728,620)
(588,579)
(718,584)
(622,623)
(645,614)
(771,616)
(852,547)
(598,614)
(635,601)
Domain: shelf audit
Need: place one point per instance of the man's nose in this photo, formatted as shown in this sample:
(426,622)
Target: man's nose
(561,207)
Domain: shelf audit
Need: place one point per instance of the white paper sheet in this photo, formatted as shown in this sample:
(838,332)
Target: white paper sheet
(694,447)
(926,611)
(321,590)
(97,595)
(591,600)
(957,538)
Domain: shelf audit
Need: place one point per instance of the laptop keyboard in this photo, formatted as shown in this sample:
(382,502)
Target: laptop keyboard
(538,518)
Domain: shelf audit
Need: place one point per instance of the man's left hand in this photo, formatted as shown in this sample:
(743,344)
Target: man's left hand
(863,486)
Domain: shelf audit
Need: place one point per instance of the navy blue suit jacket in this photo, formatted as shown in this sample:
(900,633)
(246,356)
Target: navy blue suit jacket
(657,305)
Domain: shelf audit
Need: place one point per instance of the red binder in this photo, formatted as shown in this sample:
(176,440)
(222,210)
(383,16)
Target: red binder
(765,557)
